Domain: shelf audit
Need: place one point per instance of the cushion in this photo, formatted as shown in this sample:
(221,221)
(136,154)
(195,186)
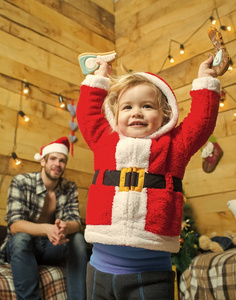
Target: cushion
(52,283)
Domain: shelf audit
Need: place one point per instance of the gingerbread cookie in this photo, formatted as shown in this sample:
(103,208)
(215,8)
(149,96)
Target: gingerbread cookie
(221,60)
(88,63)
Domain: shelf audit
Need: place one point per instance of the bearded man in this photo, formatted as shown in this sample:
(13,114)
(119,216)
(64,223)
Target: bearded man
(43,225)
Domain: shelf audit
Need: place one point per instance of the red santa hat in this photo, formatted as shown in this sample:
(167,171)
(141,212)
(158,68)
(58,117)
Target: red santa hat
(61,145)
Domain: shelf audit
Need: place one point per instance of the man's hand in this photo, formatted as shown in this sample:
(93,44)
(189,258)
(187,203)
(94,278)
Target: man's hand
(57,233)
(205,69)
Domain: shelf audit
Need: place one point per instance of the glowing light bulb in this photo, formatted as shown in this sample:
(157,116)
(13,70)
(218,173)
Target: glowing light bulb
(171,59)
(213,20)
(222,103)
(23,115)
(225,28)
(16,159)
(181,51)
(26,89)
(62,103)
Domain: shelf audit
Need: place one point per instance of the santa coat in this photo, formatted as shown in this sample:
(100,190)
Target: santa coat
(119,211)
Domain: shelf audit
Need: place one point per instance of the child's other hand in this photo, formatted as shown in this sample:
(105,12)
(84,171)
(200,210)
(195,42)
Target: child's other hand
(104,68)
(205,69)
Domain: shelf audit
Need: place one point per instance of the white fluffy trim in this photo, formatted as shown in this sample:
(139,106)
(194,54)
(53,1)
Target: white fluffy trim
(97,81)
(129,212)
(114,235)
(210,83)
(59,148)
(132,152)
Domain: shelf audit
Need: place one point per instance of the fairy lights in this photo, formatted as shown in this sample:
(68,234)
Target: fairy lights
(16,159)
(225,28)
(61,101)
(181,49)
(171,59)
(26,89)
(213,21)
(23,115)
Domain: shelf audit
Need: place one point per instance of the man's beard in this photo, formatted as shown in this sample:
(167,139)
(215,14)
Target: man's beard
(55,178)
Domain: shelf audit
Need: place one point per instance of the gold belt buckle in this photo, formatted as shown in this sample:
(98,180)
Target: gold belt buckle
(123,174)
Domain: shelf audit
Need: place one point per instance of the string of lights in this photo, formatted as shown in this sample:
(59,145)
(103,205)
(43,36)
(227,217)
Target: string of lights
(62,99)
(26,119)
(25,90)
(213,21)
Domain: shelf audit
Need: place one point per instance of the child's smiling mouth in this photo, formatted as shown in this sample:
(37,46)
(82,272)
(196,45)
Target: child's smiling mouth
(138,123)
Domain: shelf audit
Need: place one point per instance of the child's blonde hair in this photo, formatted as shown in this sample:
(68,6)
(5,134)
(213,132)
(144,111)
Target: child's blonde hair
(123,83)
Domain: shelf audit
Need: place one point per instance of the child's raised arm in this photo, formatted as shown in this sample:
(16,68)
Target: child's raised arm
(104,69)
(205,69)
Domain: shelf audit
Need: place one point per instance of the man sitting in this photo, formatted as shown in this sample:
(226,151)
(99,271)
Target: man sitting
(43,225)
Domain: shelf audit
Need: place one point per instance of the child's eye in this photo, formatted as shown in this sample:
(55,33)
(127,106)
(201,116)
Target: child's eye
(147,106)
(127,107)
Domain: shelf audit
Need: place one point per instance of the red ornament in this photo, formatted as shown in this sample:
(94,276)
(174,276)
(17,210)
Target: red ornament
(181,241)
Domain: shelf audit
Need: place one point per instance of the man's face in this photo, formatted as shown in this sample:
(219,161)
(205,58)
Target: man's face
(54,166)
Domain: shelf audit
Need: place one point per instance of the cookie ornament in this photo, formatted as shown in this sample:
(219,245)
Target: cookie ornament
(221,60)
(88,63)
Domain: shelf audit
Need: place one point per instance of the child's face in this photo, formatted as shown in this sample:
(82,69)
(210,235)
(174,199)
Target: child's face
(138,112)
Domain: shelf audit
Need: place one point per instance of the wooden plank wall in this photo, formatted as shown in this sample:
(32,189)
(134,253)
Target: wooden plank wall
(143,31)
(40,41)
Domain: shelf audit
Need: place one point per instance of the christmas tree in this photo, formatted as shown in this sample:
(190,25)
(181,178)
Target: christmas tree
(188,242)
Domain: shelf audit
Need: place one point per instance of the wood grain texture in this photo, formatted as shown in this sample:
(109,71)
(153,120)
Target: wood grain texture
(143,33)
(143,39)
(40,41)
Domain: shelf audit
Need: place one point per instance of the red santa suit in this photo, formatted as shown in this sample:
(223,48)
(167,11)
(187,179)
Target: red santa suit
(135,198)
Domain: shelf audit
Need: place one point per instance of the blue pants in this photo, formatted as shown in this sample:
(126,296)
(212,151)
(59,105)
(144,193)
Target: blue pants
(26,252)
(154,285)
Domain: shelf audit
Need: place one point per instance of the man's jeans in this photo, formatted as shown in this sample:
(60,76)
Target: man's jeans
(26,252)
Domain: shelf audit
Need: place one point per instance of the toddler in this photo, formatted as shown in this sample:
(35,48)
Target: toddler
(135,202)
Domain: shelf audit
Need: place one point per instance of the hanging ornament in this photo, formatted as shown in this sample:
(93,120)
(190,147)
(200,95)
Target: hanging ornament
(72,109)
(73,125)
(211,154)
(73,138)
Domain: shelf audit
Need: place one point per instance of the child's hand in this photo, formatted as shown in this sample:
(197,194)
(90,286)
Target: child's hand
(205,70)
(104,69)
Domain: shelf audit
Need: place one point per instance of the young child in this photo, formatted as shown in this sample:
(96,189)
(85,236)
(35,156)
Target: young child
(135,202)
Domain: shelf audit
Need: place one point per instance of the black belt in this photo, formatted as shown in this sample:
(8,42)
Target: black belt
(151,181)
